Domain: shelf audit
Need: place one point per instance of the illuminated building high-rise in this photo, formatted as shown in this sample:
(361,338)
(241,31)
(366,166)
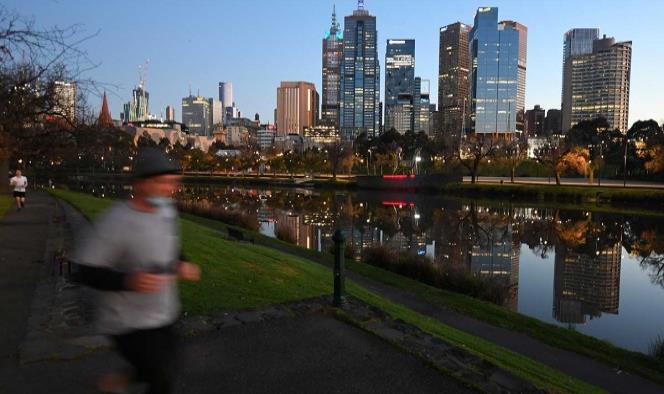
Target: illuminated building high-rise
(453,73)
(332,58)
(196,115)
(399,85)
(576,42)
(497,78)
(297,107)
(360,76)
(599,84)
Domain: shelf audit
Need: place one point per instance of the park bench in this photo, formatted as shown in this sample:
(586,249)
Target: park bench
(239,235)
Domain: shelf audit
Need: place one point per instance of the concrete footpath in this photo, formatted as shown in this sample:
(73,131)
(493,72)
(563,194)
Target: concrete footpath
(305,352)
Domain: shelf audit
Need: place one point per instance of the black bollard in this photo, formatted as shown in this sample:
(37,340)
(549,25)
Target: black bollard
(339,299)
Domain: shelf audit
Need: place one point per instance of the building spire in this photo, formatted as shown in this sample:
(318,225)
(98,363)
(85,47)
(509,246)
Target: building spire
(335,24)
(360,4)
(105,118)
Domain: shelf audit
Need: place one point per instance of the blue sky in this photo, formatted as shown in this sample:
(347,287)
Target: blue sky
(257,43)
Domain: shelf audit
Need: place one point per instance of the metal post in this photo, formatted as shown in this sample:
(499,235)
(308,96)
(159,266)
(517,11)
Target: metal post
(339,299)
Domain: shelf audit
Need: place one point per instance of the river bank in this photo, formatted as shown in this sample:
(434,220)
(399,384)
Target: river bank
(500,317)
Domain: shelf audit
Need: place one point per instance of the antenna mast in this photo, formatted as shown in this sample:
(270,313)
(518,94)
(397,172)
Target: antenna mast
(360,4)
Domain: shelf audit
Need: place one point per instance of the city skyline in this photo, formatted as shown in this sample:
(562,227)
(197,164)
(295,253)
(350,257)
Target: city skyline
(171,71)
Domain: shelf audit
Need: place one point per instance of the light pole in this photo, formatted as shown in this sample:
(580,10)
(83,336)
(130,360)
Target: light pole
(625,163)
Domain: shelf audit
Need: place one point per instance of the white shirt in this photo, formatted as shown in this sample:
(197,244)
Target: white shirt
(19,182)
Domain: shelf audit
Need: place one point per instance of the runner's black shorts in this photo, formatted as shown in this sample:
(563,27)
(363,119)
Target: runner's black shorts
(19,194)
(154,355)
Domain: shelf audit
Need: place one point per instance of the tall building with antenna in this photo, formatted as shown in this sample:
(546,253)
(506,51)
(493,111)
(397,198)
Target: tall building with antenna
(360,76)
(138,109)
(332,57)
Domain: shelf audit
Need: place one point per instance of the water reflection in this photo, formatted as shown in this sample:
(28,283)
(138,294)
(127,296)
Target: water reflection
(586,251)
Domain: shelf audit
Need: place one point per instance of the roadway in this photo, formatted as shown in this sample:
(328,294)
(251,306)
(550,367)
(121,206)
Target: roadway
(566,181)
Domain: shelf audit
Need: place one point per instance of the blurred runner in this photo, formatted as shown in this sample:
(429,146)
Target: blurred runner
(19,183)
(133,255)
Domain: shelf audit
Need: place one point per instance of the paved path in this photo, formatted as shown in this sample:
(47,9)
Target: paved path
(599,374)
(566,181)
(306,354)
(22,241)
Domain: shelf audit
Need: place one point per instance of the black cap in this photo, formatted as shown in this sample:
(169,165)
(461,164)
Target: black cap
(153,162)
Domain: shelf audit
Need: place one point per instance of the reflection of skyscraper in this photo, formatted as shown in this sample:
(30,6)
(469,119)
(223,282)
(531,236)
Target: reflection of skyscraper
(586,284)
(495,256)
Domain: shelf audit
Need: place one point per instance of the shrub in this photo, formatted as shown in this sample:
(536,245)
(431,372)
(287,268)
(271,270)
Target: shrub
(656,348)
(451,278)
(233,217)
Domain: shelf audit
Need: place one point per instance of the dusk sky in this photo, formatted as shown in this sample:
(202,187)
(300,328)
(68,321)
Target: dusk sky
(255,44)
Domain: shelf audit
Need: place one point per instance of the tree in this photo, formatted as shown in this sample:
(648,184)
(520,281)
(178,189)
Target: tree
(514,152)
(575,160)
(474,149)
(32,60)
(550,155)
(338,153)
(146,141)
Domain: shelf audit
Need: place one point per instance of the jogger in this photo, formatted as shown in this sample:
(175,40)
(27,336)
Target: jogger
(19,183)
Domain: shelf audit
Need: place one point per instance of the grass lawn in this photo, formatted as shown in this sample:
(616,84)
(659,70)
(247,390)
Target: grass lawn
(5,202)
(239,276)
(562,193)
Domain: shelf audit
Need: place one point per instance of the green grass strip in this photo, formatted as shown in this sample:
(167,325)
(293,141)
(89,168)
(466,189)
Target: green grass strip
(5,202)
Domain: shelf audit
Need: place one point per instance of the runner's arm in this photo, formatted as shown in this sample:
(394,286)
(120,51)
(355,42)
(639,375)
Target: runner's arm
(100,278)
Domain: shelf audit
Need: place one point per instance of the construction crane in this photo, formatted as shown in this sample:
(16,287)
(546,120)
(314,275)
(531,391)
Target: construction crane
(142,73)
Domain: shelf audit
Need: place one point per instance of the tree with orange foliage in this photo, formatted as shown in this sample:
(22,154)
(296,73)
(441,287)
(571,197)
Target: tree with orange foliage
(577,159)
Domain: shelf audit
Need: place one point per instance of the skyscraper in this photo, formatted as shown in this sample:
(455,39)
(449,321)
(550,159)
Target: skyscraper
(196,115)
(216,113)
(332,57)
(600,83)
(170,113)
(421,103)
(497,87)
(576,42)
(535,121)
(65,100)
(453,70)
(521,70)
(227,101)
(399,85)
(297,107)
(552,123)
(360,76)
(138,108)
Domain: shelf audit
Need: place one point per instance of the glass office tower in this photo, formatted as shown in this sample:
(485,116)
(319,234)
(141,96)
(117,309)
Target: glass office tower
(399,85)
(360,76)
(453,70)
(576,42)
(494,86)
(332,57)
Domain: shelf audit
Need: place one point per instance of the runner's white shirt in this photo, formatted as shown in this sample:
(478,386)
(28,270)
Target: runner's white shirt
(20,183)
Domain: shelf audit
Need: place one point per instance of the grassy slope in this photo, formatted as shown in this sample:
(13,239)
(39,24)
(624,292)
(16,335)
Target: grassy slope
(564,193)
(5,203)
(238,276)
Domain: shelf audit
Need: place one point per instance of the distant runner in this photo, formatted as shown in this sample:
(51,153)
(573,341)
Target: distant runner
(19,183)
